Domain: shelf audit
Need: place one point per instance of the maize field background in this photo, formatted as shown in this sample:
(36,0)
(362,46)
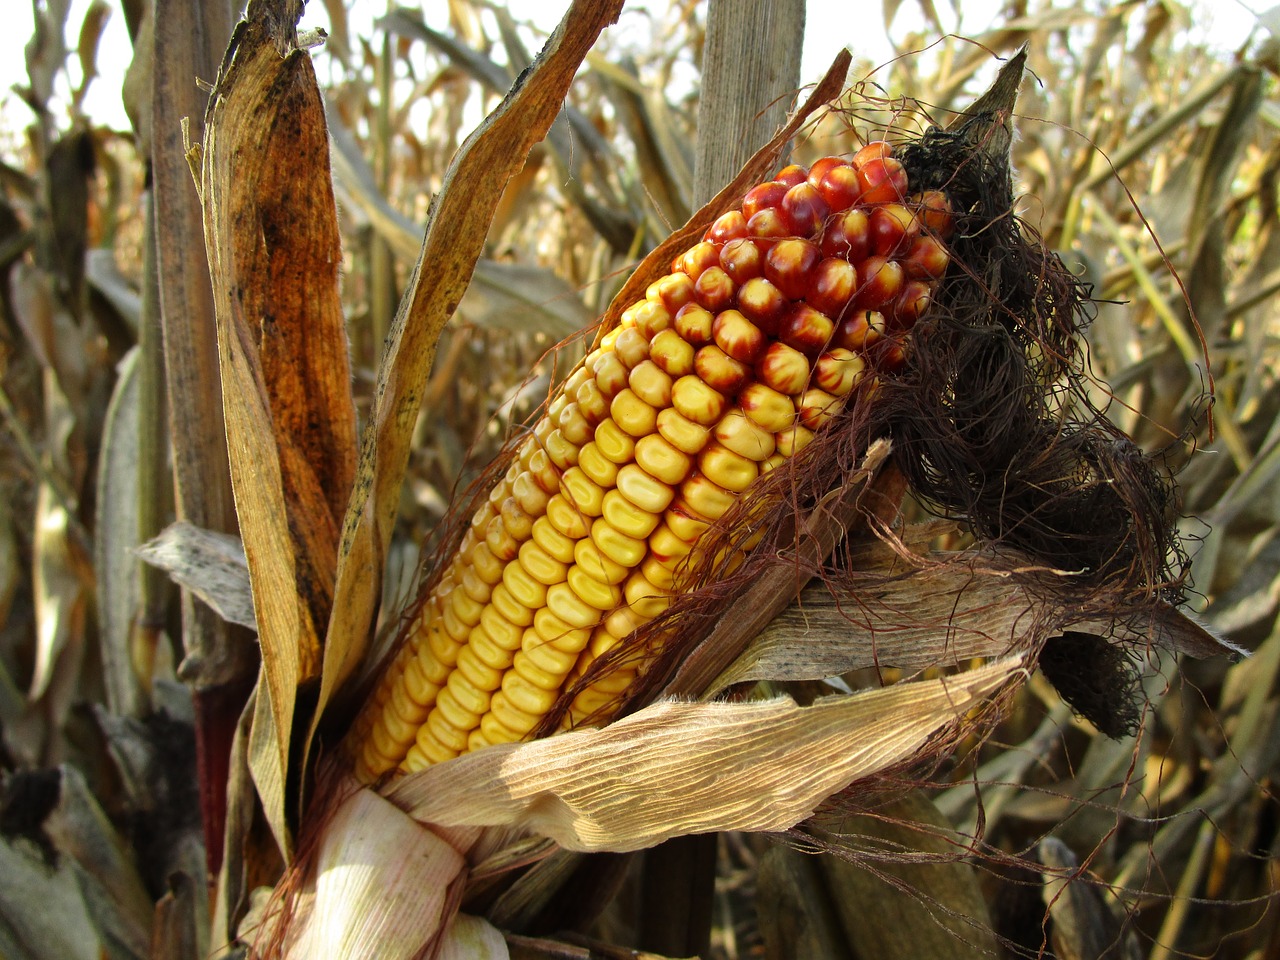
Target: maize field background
(1150,164)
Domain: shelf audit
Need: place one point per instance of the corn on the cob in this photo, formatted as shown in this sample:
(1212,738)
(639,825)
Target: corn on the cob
(725,369)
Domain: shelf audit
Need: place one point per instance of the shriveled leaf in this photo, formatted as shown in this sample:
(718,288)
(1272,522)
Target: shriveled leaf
(657,774)
(455,236)
(949,608)
(211,565)
(272,236)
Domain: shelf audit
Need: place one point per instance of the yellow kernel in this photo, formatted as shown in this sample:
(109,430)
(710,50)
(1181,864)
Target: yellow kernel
(651,384)
(661,460)
(667,547)
(793,440)
(727,469)
(481,675)
(644,598)
(817,407)
(557,633)
(555,543)
(446,733)
(614,443)
(625,517)
(574,425)
(744,437)
(631,347)
(577,377)
(566,605)
(444,648)
(602,641)
(642,489)
(386,740)
(617,546)
(548,656)
(562,453)
(533,674)
(525,589)
(515,521)
(705,497)
(773,463)
(489,652)
(767,407)
(501,631)
(492,727)
(681,432)
(416,683)
(503,545)
(583,492)
(656,572)
(685,523)
(476,740)
(406,706)
(697,401)
(512,610)
(466,695)
(587,557)
(464,607)
(693,323)
(566,518)
(426,752)
(672,353)
(838,371)
(651,317)
(475,587)
(597,466)
(602,596)
(540,565)
(449,722)
(623,621)
(529,495)
(523,695)
(592,402)
(635,417)
(487,567)
(611,374)
(544,471)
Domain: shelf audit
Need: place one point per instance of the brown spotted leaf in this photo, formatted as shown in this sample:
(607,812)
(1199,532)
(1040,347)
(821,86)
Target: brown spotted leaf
(272,236)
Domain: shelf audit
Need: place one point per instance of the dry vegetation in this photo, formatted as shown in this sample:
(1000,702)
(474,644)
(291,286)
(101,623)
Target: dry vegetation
(1150,165)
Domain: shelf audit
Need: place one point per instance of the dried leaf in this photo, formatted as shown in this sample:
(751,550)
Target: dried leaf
(656,774)
(272,236)
(949,608)
(384,886)
(118,590)
(472,938)
(211,565)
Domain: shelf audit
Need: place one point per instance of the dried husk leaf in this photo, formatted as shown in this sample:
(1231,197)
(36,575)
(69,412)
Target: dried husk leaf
(472,938)
(658,774)
(382,885)
(209,564)
(272,236)
(940,609)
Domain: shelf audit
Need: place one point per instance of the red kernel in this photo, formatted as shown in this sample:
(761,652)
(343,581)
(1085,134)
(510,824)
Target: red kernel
(893,228)
(693,323)
(881,282)
(840,187)
(720,371)
(715,289)
(820,168)
(737,336)
(875,150)
(804,210)
(848,236)
(764,197)
(791,175)
(741,260)
(729,226)
(805,329)
(835,281)
(763,304)
(767,227)
(789,266)
(698,258)
(882,180)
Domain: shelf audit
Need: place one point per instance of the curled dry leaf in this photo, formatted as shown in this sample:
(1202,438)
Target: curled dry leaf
(941,610)
(657,774)
(209,564)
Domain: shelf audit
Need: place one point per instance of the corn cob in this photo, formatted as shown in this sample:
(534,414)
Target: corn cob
(726,368)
